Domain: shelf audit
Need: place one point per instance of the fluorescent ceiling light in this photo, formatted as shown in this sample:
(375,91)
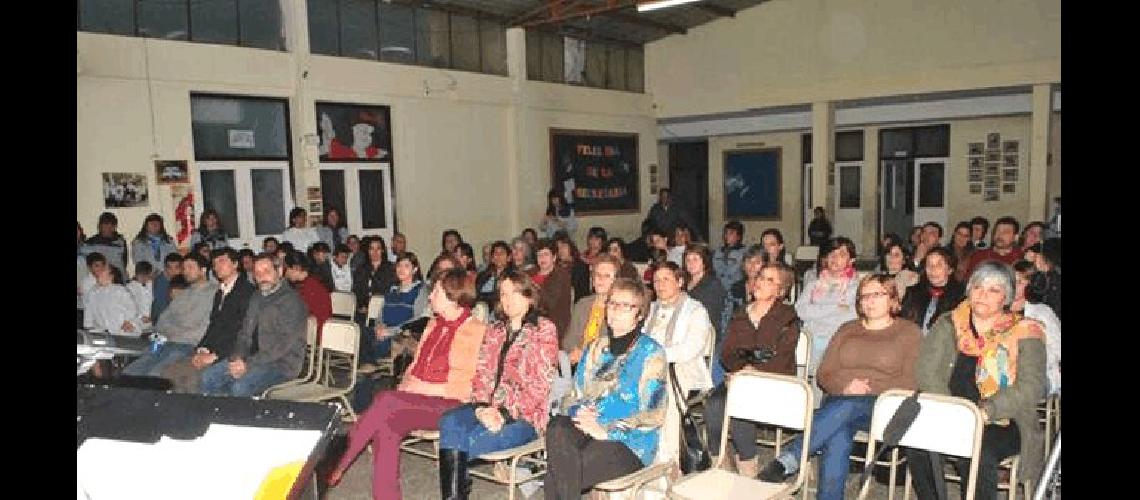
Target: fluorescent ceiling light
(660,4)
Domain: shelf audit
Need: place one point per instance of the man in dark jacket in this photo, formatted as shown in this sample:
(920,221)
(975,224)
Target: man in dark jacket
(819,231)
(108,242)
(666,215)
(270,346)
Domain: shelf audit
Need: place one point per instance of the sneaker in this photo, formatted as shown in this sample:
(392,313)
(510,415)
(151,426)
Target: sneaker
(774,472)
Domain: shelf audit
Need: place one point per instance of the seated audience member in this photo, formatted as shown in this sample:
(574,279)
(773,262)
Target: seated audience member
(559,216)
(704,287)
(399,308)
(152,244)
(277,317)
(750,266)
(141,289)
(373,278)
(982,352)
(1004,248)
(359,255)
(682,236)
(1045,284)
(930,238)
(579,271)
(399,246)
(488,281)
(245,264)
(937,292)
(109,242)
(1031,235)
(171,268)
(210,231)
(332,230)
(774,251)
(299,233)
(269,245)
(510,396)
(829,301)
(614,411)
(961,248)
(465,254)
(341,269)
(728,260)
(915,239)
(521,255)
(1041,312)
(896,262)
(449,241)
(616,248)
(979,226)
(184,321)
(320,264)
(587,316)
(108,306)
(317,300)
(682,326)
(555,292)
(869,355)
(421,308)
(439,379)
(595,244)
(530,236)
(227,311)
(762,338)
(203,250)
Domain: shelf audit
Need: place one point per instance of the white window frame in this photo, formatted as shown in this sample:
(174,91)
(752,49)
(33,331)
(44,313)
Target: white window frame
(243,185)
(352,208)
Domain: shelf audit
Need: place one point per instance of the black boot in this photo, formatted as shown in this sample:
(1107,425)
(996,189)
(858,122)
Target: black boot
(453,481)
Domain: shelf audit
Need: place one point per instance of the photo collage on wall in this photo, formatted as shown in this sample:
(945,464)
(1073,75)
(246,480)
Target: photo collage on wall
(993,167)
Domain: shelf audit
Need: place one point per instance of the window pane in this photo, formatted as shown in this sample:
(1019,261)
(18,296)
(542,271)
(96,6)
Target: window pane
(595,64)
(358,29)
(615,68)
(432,34)
(163,19)
(268,201)
(214,21)
(849,146)
(494,43)
(107,16)
(635,69)
(465,43)
(896,143)
(332,192)
(236,128)
(534,55)
(323,27)
(397,33)
(552,57)
(219,193)
(932,141)
(805,148)
(931,182)
(372,199)
(849,187)
(261,24)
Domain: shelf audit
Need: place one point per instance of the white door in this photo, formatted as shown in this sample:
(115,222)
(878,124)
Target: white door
(807,209)
(930,191)
(253,199)
(363,192)
(848,196)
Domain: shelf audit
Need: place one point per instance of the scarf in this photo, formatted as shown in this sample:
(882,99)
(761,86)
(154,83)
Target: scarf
(594,324)
(995,349)
(829,281)
(156,246)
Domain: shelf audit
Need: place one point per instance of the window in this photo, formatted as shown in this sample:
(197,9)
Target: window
(398,33)
(557,59)
(465,37)
(635,69)
(358,34)
(260,24)
(116,17)
(248,23)
(219,192)
(931,183)
(596,65)
(432,38)
(215,21)
(163,19)
(849,186)
(494,46)
(252,198)
(363,194)
(849,146)
(231,128)
(615,68)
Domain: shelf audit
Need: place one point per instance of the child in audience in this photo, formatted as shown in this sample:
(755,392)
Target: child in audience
(141,289)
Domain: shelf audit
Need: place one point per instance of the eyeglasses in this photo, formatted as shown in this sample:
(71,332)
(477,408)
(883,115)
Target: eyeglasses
(873,295)
(621,306)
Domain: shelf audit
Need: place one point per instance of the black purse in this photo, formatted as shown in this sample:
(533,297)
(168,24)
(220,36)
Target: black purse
(693,453)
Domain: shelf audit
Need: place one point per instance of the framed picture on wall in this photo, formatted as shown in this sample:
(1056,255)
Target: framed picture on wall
(354,132)
(1011,160)
(169,172)
(1009,175)
(752,184)
(976,176)
(993,156)
(122,190)
(976,148)
(991,195)
(1009,188)
(975,163)
(1009,147)
(993,141)
(976,188)
(597,172)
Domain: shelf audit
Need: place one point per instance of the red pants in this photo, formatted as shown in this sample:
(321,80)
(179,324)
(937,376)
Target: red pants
(392,415)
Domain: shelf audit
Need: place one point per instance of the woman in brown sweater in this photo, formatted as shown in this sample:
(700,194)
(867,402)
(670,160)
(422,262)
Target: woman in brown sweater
(554,287)
(866,357)
(767,328)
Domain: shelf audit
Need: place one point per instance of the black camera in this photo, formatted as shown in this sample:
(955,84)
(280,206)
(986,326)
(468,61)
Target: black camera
(757,356)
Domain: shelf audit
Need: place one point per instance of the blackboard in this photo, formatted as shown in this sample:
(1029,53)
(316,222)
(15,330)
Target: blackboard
(752,184)
(596,171)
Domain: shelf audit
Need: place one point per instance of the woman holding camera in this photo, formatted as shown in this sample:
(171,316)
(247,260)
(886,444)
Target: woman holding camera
(763,337)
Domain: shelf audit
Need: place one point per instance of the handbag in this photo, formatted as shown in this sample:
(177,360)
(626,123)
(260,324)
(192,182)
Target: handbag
(693,454)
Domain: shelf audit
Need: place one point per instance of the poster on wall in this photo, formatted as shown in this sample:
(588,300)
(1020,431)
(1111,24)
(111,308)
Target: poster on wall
(596,172)
(354,132)
(752,184)
(123,190)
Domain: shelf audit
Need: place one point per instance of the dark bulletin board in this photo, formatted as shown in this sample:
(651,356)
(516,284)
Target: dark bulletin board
(596,171)
(752,184)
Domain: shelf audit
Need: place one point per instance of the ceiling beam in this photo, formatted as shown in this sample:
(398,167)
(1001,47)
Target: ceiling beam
(715,9)
(577,9)
(642,20)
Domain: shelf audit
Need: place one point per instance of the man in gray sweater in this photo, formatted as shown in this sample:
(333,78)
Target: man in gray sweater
(270,346)
(183,322)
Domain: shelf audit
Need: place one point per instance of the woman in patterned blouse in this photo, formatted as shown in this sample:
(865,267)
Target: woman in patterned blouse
(615,410)
(511,386)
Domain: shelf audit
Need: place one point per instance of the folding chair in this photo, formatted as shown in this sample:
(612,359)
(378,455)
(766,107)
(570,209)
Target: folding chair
(343,305)
(384,366)
(945,424)
(480,311)
(803,360)
(419,437)
(530,453)
(312,360)
(340,344)
(764,398)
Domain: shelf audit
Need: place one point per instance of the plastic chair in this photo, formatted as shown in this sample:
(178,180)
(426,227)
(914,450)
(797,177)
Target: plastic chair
(340,345)
(312,361)
(343,305)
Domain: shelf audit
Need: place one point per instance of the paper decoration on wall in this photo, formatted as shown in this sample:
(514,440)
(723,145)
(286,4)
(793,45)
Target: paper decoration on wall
(241,139)
(183,197)
(123,190)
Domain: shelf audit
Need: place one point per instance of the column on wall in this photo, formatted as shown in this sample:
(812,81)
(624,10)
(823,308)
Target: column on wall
(870,193)
(516,121)
(1039,151)
(822,142)
(302,119)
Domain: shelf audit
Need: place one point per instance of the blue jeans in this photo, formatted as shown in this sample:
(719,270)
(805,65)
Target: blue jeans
(833,429)
(717,368)
(372,349)
(460,430)
(216,380)
(151,364)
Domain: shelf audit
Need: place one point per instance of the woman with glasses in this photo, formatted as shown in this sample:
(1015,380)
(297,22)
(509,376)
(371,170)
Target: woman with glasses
(867,356)
(615,409)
